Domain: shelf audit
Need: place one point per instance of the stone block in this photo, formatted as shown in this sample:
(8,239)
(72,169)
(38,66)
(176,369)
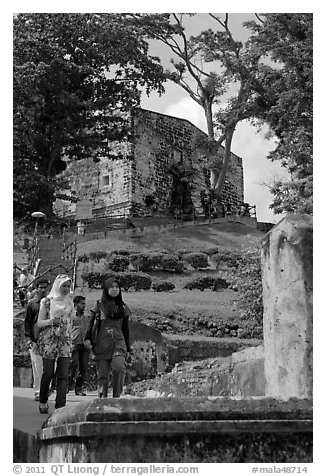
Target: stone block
(150,430)
(287,295)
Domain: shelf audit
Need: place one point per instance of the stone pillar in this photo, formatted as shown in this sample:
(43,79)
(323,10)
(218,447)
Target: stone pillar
(287,293)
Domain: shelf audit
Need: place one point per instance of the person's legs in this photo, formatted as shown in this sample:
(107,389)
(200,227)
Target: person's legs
(118,366)
(103,369)
(62,374)
(37,369)
(47,375)
(83,364)
(73,368)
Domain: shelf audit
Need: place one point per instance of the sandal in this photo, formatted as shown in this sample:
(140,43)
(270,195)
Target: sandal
(43,408)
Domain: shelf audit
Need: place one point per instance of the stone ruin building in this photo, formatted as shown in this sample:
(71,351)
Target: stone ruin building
(142,177)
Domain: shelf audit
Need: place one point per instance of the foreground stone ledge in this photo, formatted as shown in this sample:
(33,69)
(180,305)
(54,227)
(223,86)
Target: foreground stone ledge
(185,408)
(210,429)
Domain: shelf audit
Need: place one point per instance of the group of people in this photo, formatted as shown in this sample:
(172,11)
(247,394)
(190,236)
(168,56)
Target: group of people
(61,337)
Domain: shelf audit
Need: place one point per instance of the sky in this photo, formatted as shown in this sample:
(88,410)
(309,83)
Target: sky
(248,143)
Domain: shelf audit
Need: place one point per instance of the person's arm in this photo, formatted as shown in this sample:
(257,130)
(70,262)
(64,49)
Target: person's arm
(42,320)
(125,326)
(88,335)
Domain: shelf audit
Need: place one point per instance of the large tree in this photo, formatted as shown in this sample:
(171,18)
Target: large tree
(267,80)
(76,78)
(232,74)
(285,42)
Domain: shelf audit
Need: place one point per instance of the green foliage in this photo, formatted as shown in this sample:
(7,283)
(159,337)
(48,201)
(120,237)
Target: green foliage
(154,261)
(207,282)
(97,255)
(248,282)
(172,264)
(226,258)
(133,280)
(287,104)
(118,262)
(121,252)
(84,258)
(72,73)
(161,286)
(197,260)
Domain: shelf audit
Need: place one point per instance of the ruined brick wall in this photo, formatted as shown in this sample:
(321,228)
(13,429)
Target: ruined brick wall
(160,138)
(118,187)
(106,183)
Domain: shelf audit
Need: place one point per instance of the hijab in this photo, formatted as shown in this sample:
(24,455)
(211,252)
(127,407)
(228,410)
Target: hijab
(111,306)
(55,292)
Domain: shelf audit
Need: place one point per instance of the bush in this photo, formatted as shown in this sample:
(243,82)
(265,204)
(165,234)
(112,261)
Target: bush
(211,251)
(197,260)
(97,255)
(121,252)
(207,282)
(84,258)
(137,281)
(172,263)
(93,279)
(161,286)
(248,282)
(182,253)
(227,258)
(118,262)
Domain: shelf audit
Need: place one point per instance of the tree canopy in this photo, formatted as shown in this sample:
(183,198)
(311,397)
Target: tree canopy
(76,78)
(287,40)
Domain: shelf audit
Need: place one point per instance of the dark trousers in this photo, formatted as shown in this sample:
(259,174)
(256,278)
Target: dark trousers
(118,367)
(22,297)
(78,367)
(62,373)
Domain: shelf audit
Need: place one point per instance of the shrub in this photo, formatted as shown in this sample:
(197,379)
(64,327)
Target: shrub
(197,260)
(182,253)
(84,258)
(118,262)
(207,282)
(227,258)
(211,251)
(121,252)
(248,282)
(97,255)
(137,281)
(161,286)
(93,279)
(172,263)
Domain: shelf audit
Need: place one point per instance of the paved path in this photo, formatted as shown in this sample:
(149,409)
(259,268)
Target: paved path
(26,416)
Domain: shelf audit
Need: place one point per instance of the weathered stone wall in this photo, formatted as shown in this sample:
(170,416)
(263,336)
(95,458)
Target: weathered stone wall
(160,138)
(107,183)
(287,286)
(118,187)
(179,430)
(238,374)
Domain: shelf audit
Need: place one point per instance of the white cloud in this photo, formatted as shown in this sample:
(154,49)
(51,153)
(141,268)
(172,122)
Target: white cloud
(187,108)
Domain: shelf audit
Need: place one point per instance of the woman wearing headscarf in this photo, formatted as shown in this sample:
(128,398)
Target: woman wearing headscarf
(54,342)
(108,335)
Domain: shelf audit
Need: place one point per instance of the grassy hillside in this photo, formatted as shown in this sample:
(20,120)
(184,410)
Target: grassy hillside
(228,236)
(183,311)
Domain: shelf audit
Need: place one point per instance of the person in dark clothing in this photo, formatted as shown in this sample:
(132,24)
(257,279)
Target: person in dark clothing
(80,354)
(31,314)
(108,335)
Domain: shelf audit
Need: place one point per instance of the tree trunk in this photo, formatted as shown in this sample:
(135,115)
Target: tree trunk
(226,160)
(210,132)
